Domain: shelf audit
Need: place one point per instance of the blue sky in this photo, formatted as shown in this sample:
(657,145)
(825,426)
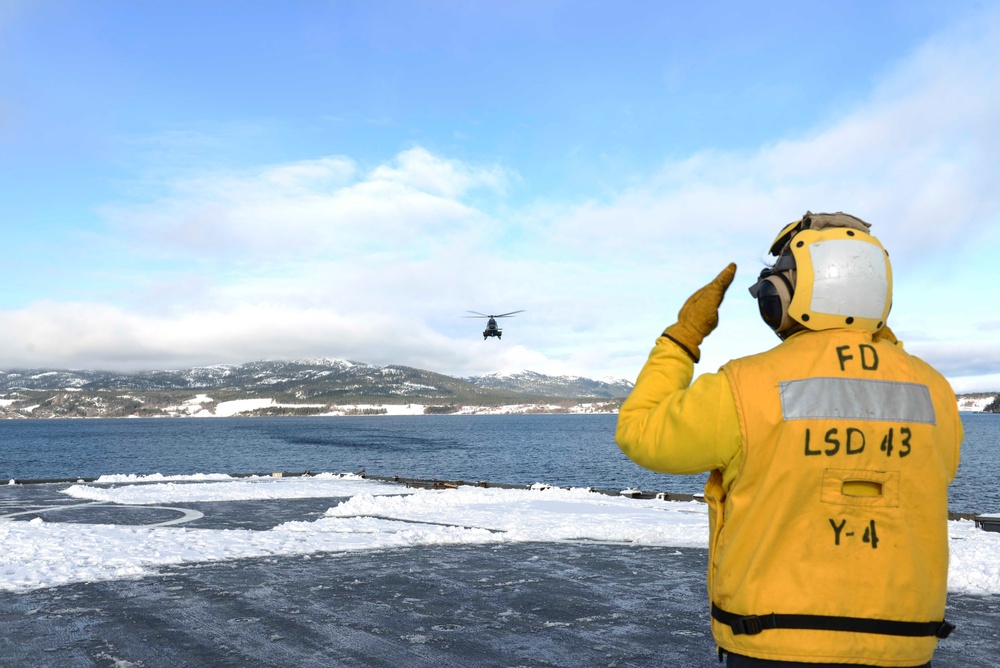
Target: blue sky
(189,183)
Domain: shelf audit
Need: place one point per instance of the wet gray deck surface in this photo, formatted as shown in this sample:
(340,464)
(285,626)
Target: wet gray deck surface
(538,604)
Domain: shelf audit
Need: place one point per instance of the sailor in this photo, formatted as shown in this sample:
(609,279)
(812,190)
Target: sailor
(830,457)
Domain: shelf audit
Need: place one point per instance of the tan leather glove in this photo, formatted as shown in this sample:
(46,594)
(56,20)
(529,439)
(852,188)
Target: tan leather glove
(700,314)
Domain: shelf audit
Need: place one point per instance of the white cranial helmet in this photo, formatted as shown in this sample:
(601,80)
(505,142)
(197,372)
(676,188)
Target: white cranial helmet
(830,273)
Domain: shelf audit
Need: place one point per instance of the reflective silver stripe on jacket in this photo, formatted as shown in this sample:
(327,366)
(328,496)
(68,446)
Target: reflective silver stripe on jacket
(857,399)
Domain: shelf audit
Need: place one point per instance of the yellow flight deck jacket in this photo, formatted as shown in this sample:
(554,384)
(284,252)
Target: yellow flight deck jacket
(831,456)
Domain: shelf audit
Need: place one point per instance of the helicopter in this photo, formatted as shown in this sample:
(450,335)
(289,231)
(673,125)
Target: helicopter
(491,324)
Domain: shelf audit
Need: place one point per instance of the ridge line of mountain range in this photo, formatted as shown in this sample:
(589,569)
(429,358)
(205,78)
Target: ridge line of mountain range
(297,387)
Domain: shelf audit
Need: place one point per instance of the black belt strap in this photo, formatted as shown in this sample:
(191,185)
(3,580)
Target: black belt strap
(754,624)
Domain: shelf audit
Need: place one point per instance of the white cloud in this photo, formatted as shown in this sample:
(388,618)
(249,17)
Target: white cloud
(417,168)
(320,207)
(309,175)
(88,335)
(963,362)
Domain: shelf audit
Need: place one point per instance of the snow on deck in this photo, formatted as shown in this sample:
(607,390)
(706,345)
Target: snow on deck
(368,515)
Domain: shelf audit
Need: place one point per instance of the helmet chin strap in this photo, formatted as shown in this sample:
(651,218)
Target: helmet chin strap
(794,329)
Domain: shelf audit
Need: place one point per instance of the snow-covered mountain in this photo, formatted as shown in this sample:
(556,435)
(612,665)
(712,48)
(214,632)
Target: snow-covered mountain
(249,376)
(530,382)
(326,379)
(979,402)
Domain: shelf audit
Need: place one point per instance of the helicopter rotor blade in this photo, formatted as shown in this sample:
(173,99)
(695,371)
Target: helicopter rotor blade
(507,315)
(478,315)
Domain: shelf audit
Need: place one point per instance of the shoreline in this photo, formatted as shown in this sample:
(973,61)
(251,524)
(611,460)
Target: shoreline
(203,407)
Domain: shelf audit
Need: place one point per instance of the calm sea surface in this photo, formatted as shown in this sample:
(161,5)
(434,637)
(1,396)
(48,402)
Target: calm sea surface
(562,450)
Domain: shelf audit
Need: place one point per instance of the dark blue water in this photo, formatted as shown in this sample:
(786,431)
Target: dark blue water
(562,450)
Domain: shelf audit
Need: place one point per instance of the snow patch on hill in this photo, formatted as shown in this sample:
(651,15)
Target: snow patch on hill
(975,403)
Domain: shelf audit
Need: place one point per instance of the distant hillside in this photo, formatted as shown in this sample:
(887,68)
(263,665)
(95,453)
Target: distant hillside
(299,387)
(979,402)
(530,382)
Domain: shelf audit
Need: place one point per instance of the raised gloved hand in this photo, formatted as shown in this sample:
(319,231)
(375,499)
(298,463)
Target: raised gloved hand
(700,314)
